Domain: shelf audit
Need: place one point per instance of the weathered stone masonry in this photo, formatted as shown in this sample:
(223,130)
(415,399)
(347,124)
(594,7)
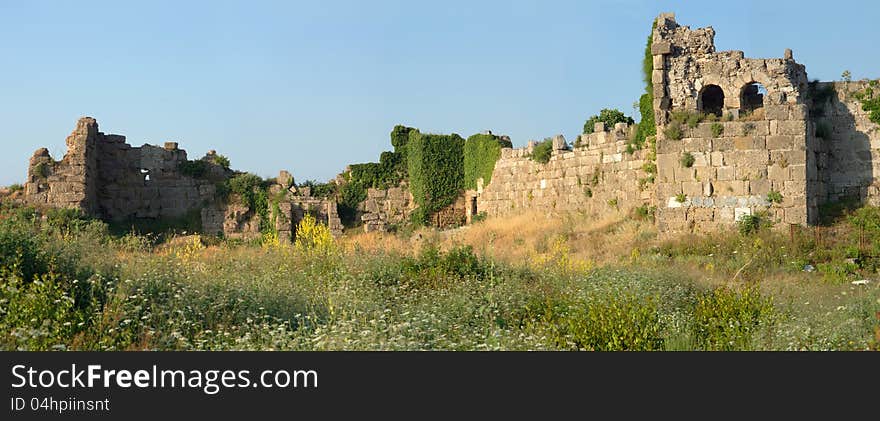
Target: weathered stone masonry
(767,142)
(773,132)
(598,178)
(105,177)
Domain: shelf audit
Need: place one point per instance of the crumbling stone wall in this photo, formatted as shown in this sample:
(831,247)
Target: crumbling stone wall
(735,170)
(384,207)
(107,178)
(598,177)
(848,154)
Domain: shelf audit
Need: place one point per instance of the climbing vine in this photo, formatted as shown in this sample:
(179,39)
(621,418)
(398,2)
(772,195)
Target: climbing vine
(481,151)
(436,171)
(647,127)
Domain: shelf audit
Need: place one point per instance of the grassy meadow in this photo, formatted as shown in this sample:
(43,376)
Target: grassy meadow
(531,282)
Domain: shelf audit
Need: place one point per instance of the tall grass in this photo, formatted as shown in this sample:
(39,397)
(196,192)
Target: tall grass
(67,284)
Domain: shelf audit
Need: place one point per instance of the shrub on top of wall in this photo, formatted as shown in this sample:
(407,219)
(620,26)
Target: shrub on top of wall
(542,151)
(436,171)
(870,101)
(608,116)
(481,151)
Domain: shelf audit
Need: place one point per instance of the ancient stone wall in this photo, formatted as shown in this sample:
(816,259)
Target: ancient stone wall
(385,207)
(847,150)
(596,177)
(105,177)
(762,143)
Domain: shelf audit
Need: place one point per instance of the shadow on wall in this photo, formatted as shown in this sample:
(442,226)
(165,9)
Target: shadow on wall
(845,160)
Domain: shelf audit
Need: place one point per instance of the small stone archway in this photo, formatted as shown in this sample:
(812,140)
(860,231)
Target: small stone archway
(752,97)
(711,100)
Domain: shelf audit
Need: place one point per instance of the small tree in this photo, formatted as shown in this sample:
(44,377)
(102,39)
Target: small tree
(608,116)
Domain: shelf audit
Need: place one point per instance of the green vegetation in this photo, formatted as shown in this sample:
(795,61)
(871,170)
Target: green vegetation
(608,116)
(542,151)
(41,170)
(222,161)
(436,172)
(680,198)
(15,188)
(647,127)
(717,129)
(481,151)
(66,284)
(194,169)
(254,193)
(673,131)
(750,224)
(774,196)
(870,100)
(318,189)
(687,160)
(388,172)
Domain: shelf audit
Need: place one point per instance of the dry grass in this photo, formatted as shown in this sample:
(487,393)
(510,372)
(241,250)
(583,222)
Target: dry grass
(526,237)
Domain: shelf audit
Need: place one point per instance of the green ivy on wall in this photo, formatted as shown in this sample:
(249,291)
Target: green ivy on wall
(436,171)
(388,172)
(647,126)
(481,151)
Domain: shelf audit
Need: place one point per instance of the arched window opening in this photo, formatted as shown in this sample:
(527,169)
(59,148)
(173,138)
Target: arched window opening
(711,100)
(752,97)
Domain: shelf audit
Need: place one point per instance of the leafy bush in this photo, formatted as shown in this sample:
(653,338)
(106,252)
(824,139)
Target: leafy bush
(222,161)
(870,102)
(750,224)
(253,191)
(608,116)
(687,160)
(194,169)
(717,129)
(481,151)
(542,151)
(319,189)
(725,319)
(609,322)
(645,212)
(15,188)
(680,198)
(436,171)
(774,196)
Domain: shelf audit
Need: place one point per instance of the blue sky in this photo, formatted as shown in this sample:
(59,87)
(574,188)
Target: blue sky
(313,86)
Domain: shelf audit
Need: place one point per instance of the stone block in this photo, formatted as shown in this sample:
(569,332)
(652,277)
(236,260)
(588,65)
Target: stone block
(759,187)
(692,188)
(726,173)
(780,142)
(748,142)
(661,48)
(792,127)
(778,173)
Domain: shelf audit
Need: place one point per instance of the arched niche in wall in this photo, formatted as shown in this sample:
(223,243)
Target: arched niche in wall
(752,97)
(711,100)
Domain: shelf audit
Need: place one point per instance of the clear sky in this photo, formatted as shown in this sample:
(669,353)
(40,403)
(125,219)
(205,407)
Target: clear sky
(313,86)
